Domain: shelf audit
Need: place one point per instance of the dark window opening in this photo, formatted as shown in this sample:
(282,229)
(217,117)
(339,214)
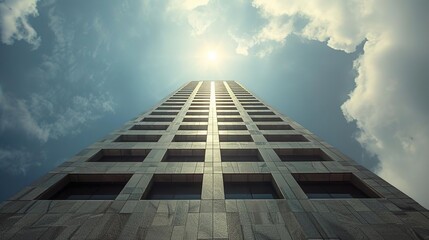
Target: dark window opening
(235,138)
(149,127)
(193,127)
(302,155)
(250,186)
(240,155)
(275,127)
(120,155)
(170,187)
(333,186)
(155,119)
(138,138)
(190,138)
(232,127)
(285,138)
(184,155)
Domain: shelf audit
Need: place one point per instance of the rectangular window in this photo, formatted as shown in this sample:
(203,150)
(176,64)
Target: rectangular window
(256,108)
(267,119)
(235,138)
(275,127)
(157,119)
(87,187)
(193,127)
(195,119)
(138,138)
(184,155)
(333,186)
(240,155)
(174,187)
(232,127)
(302,155)
(120,155)
(228,113)
(164,113)
(285,138)
(229,119)
(261,113)
(250,186)
(226,108)
(168,108)
(190,138)
(198,113)
(149,127)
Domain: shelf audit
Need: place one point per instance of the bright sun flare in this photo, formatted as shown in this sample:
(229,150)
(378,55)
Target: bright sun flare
(212,56)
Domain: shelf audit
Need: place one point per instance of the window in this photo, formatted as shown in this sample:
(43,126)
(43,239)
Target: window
(184,155)
(87,187)
(240,155)
(163,113)
(228,113)
(267,119)
(226,108)
(256,108)
(195,119)
(302,155)
(232,127)
(157,119)
(229,119)
(120,155)
(285,138)
(235,138)
(333,186)
(250,186)
(168,108)
(174,187)
(193,127)
(138,138)
(275,127)
(190,138)
(261,113)
(149,127)
(198,113)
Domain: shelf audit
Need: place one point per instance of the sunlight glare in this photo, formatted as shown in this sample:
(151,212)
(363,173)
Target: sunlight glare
(212,56)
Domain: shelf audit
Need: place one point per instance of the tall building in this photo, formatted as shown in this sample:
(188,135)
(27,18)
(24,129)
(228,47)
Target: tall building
(212,161)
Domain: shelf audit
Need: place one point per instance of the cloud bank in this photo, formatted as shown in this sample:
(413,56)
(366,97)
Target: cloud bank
(14,23)
(390,101)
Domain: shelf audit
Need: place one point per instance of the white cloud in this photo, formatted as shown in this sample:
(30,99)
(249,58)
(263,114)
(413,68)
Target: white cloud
(390,103)
(16,161)
(14,22)
(41,118)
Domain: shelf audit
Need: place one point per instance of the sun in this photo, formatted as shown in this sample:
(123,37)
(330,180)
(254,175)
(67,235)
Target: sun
(212,56)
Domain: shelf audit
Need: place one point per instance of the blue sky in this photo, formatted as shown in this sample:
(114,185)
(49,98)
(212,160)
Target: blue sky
(353,72)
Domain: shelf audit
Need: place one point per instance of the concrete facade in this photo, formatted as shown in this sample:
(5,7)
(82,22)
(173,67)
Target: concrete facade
(211,133)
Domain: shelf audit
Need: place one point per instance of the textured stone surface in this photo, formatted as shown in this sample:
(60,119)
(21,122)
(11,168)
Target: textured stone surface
(211,110)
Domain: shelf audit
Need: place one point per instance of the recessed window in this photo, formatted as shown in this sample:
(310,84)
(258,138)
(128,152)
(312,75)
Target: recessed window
(198,108)
(225,104)
(120,155)
(198,113)
(190,138)
(157,119)
(149,127)
(200,104)
(302,155)
(285,138)
(174,187)
(267,119)
(226,108)
(256,108)
(87,187)
(176,101)
(163,113)
(172,104)
(252,103)
(184,155)
(231,119)
(235,138)
(168,108)
(261,113)
(138,138)
(250,186)
(275,127)
(228,113)
(231,127)
(240,155)
(333,186)
(193,127)
(195,119)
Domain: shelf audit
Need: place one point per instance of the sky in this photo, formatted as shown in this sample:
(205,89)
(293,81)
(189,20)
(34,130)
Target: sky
(355,73)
